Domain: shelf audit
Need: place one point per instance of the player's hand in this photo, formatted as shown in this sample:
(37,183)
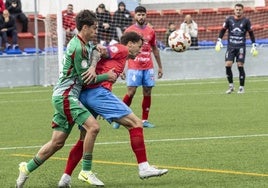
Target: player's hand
(160,73)
(89,75)
(112,76)
(254,50)
(219,45)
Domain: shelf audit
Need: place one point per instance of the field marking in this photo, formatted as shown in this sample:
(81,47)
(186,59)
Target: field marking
(121,84)
(168,167)
(149,141)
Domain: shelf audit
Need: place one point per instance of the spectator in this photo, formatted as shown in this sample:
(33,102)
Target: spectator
(122,19)
(2,6)
(69,26)
(191,27)
(8,28)
(170,29)
(106,31)
(14,8)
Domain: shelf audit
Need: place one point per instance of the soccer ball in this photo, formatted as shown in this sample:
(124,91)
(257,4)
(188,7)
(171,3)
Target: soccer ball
(179,41)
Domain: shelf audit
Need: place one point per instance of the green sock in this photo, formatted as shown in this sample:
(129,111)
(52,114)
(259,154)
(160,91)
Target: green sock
(87,161)
(34,163)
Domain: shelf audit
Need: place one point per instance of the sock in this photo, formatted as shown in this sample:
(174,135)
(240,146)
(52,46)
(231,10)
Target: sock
(34,163)
(137,144)
(143,165)
(127,100)
(74,158)
(242,76)
(87,162)
(146,104)
(229,74)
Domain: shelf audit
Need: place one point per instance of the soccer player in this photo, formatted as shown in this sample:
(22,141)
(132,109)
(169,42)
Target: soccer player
(237,26)
(68,109)
(140,71)
(100,99)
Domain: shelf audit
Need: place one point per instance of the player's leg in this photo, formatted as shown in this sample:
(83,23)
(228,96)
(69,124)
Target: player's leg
(75,156)
(240,65)
(104,104)
(229,59)
(92,129)
(134,126)
(148,83)
(56,143)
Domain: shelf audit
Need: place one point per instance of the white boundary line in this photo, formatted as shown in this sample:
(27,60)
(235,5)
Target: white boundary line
(159,140)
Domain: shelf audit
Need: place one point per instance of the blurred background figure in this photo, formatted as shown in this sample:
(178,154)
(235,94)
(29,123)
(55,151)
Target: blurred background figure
(15,10)
(106,30)
(170,29)
(69,25)
(191,27)
(122,19)
(8,29)
(2,6)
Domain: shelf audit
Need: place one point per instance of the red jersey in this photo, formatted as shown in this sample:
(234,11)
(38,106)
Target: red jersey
(68,21)
(144,60)
(118,54)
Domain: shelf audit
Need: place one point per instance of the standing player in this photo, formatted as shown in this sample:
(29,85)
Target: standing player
(140,71)
(237,26)
(68,110)
(102,101)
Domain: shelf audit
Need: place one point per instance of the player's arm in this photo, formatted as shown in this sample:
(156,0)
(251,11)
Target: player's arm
(90,75)
(158,61)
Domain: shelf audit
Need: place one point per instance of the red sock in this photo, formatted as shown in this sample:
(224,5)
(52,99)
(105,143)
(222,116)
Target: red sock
(127,100)
(74,158)
(137,144)
(146,104)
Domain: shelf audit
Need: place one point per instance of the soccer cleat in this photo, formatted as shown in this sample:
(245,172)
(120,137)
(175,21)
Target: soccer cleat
(90,177)
(230,90)
(115,125)
(241,90)
(65,181)
(152,172)
(23,175)
(147,124)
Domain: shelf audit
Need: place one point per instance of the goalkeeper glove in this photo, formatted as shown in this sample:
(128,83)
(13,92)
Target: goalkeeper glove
(218,45)
(254,50)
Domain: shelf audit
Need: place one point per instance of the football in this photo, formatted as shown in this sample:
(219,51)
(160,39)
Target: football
(179,41)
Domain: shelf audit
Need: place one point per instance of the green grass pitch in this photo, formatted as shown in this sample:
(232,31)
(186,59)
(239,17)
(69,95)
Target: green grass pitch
(205,137)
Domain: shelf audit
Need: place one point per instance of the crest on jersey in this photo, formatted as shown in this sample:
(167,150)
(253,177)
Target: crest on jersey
(114,49)
(84,64)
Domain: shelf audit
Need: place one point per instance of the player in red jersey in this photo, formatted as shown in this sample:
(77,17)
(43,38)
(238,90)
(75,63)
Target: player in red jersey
(99,99)
(140,71)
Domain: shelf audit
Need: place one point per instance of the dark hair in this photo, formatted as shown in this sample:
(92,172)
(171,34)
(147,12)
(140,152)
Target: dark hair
(85,17)
(239,5)
(140,9)
(121,4)
(101,5)
(130,36)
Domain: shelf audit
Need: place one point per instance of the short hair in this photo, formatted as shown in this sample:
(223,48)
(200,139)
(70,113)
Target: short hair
(130,36)
(140,9)
(85,17)
(239,5)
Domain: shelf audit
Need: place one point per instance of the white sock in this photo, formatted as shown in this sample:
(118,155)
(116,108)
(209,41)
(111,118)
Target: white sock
(66,177)
(143,165)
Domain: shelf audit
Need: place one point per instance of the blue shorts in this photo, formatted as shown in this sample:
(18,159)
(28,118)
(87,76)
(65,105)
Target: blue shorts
(101,101)
(140,77)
